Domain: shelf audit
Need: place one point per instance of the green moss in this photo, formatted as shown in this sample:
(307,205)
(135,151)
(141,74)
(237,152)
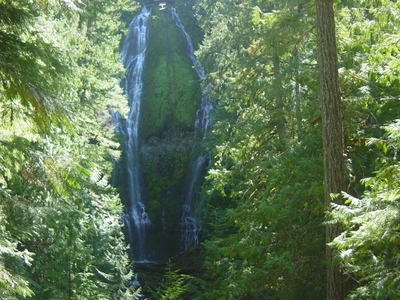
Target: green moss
(171,87)
(165,161)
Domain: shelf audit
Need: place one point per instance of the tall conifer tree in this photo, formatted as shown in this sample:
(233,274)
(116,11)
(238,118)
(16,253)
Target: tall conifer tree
(334,171)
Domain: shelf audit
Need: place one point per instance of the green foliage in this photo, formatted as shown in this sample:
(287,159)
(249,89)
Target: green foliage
(263,215)
(60,226)
(265,237)
(274,244)
(369,67)
(369,72)
(369,245)
(30,72)
(14,280)
(172,285)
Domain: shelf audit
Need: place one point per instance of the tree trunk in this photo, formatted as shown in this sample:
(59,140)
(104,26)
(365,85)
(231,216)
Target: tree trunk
(279,119)
(297,96)
(334,171)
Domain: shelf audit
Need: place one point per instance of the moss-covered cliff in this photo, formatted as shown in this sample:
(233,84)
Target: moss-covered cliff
(170,98)
(169,103)
(171,93)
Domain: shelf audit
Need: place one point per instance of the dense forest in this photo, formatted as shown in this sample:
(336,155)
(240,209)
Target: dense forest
(60,227)
(300,199)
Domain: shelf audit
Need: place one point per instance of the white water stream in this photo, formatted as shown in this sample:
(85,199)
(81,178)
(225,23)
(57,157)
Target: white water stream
(133,55)
(189,229)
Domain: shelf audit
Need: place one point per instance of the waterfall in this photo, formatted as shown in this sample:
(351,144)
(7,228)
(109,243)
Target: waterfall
(133,57)
(189,229)
(203,114)
(133,182)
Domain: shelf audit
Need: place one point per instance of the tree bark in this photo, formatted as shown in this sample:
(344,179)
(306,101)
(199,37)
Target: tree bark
(297,96)
(280,120)
(334,171)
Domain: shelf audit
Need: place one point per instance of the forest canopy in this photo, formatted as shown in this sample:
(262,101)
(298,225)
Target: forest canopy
(60,226)
(265,208)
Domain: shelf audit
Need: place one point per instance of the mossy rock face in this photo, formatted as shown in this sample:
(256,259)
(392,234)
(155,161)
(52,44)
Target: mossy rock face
(165,162)
(171,97)
(166,159)
(171,86)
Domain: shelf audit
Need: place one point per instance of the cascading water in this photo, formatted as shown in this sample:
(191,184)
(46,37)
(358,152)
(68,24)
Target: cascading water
(137,185)
(133,57)
(189,229)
